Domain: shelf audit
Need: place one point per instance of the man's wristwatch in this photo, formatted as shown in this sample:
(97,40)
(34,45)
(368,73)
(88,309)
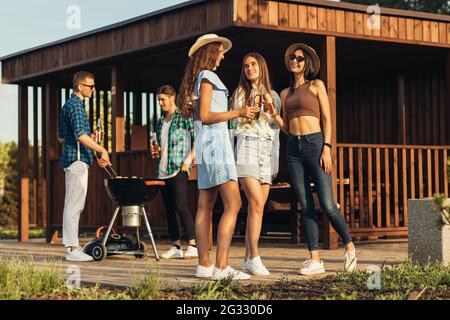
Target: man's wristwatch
(327,144)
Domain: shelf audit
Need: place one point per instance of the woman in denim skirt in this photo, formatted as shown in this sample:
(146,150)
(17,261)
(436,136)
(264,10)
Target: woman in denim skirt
(256,151)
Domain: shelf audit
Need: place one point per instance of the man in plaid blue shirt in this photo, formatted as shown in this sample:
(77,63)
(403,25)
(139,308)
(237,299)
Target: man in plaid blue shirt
(75,133)
(176,136)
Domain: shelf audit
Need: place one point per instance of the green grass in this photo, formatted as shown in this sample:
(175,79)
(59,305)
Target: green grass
(405,276)
(20,279)
(96,292)
(406,280)
(13,234)
(216,290)
(146,288)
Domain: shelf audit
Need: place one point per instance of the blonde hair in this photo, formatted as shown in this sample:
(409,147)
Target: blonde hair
(79,77)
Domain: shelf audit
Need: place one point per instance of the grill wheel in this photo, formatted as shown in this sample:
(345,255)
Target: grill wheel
(99,252)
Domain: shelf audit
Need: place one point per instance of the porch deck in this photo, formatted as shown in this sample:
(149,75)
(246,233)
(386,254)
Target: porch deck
(282,259)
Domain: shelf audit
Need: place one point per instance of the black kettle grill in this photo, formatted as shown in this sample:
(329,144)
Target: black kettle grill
(130,194)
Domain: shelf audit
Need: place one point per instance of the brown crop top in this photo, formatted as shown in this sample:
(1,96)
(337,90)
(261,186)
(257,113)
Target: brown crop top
(302,103)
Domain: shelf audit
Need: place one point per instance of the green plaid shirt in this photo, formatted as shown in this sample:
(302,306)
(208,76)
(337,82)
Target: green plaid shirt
(181,138)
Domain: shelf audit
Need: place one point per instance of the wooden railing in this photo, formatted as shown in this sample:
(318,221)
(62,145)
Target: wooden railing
(374,183)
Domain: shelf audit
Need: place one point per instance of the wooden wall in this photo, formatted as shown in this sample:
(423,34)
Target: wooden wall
(153,31)
(190,20)
(369,110)
(345,20)
(427,112)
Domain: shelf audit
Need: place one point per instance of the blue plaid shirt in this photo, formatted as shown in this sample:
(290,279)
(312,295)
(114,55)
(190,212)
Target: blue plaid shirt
(73,124)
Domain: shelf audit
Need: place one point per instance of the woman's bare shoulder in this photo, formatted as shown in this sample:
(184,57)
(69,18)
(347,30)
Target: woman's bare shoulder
(284,93)
(317,84)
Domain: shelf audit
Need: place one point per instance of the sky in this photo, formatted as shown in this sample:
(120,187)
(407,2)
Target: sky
(26,24)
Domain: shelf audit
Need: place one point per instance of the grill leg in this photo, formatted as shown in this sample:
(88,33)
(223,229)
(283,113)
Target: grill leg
(150,233)
(110,226)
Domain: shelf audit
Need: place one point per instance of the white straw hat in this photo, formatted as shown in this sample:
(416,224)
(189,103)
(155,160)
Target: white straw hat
(209,38)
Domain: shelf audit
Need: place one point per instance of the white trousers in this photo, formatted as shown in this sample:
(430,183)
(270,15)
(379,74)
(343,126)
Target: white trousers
(75,198)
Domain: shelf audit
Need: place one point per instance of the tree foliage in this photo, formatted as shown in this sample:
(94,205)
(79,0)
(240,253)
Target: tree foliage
(8,184)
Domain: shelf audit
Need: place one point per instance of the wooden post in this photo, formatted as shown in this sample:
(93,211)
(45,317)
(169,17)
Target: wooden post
(149,127)
(401,109)
(139,133)
(137,108)
(328,76)
(447,78)
(23,223)
(105,119)
(44,158)
(128,121)
(52,103)
(155,111)
(117,120)
(91,113)
(97,107)
(35,157)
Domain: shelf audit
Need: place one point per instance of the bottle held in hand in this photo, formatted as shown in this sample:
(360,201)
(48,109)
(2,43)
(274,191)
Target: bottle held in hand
(268,104)
(155,149)
(258,103)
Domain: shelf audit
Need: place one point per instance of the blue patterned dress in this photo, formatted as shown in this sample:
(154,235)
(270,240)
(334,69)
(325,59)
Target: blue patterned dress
(213,151)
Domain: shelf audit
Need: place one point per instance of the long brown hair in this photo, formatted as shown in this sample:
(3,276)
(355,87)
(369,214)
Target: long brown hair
(203,59)
(264,77)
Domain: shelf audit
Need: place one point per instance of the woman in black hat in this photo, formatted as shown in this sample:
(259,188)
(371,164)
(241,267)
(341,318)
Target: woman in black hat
(304,104)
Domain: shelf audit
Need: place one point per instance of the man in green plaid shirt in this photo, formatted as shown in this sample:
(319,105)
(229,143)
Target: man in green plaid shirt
(180,144)
(175,135)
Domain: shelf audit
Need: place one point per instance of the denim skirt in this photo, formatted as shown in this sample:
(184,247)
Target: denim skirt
(253,158)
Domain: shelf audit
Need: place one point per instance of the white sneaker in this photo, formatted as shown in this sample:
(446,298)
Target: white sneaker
(312,267)
(77,255)
(350,261)
(255,266)
(229,272)
(191,253)
(204,272)
(173,253)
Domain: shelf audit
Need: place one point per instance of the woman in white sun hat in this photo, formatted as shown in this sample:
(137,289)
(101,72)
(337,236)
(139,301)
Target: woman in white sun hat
(205,97)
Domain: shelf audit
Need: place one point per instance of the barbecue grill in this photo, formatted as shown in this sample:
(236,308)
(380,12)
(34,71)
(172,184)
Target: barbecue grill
(130,194)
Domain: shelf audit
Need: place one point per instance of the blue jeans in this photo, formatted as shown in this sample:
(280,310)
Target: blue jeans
(303,154)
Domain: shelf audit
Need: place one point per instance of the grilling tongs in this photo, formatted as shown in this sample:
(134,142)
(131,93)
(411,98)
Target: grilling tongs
(109,169)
